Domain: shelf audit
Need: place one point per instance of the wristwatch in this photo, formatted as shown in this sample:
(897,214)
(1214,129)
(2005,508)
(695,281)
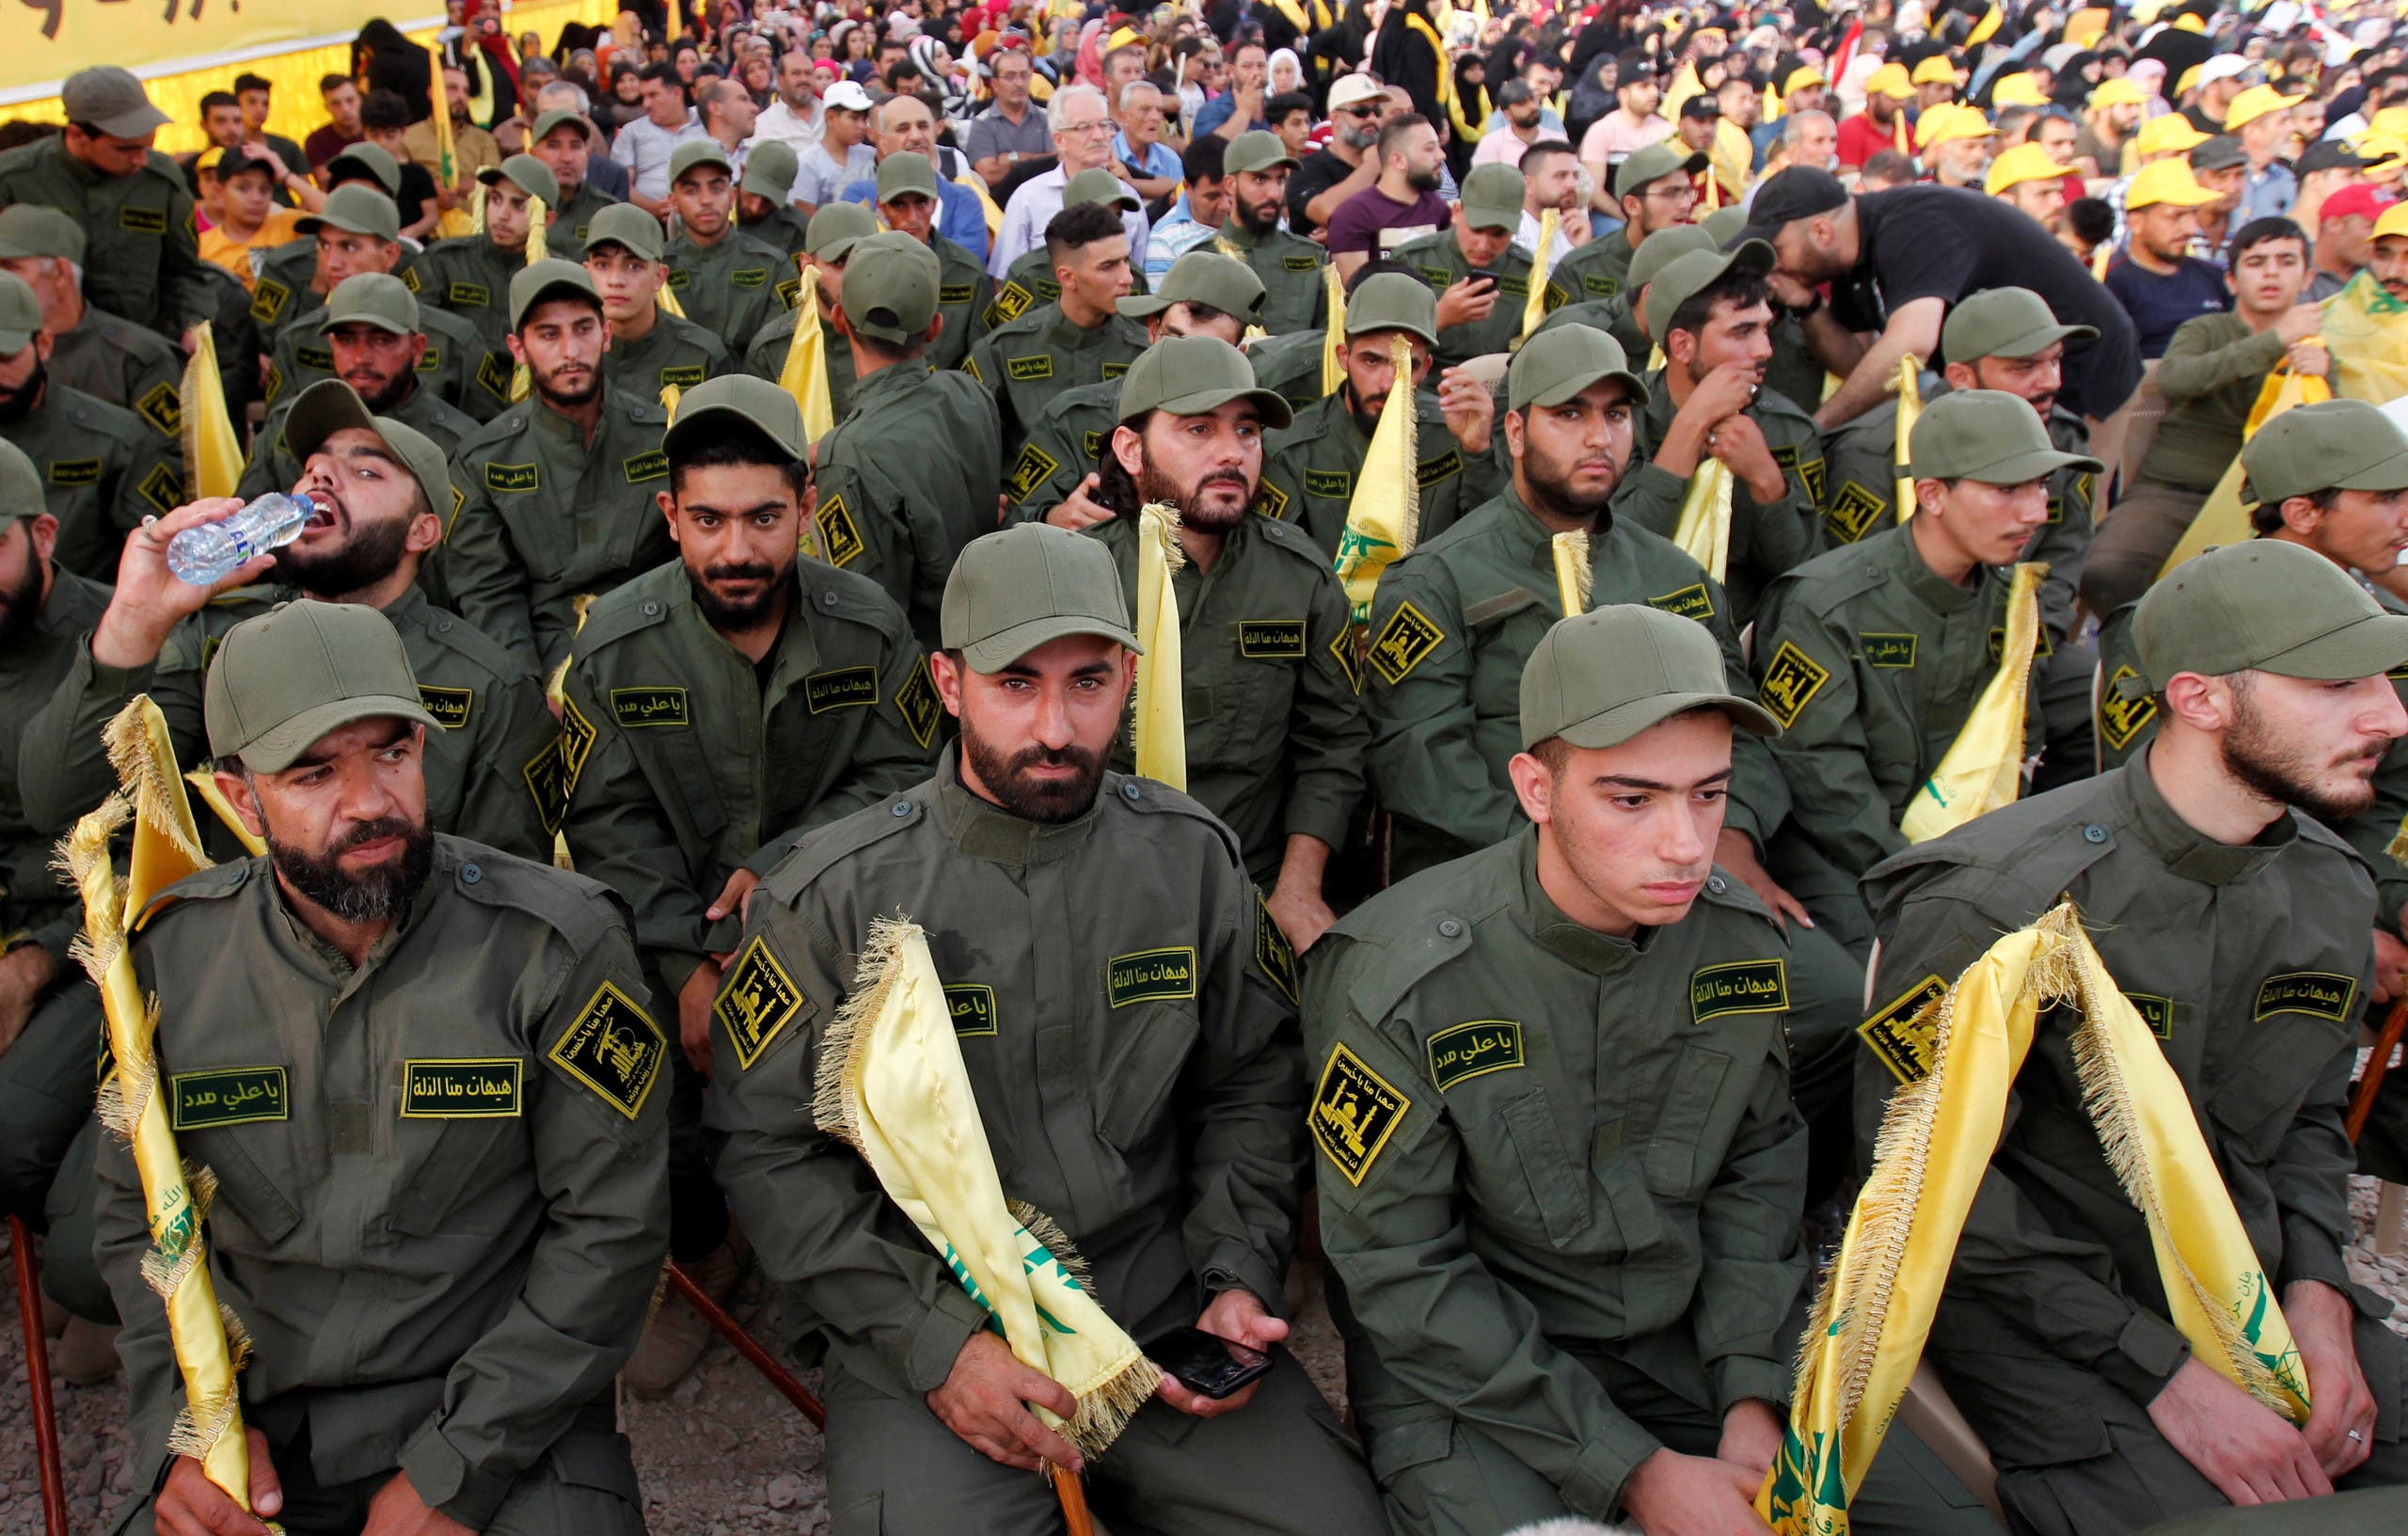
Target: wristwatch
(1807,312)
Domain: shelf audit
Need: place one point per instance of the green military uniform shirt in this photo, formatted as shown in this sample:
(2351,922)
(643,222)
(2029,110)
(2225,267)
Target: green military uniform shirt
(35,907)
(457,364)
(729,289)
(542,518)
(911,475)
(1765,540)
(469,276)
(496,724)
(766,358)
(1289,366)
(577,208)
(1296,295)
(103,468)
(1124,1006)
(683,760)
(441,1177)
(1452,624)
(122,363)
(141,244)
(1611,316)
(1566,1155)
(1595,271)
(1028,285)
(1065,445)
(1309,468)
(1275,730)
(782,227)
(1025,363)
(2211,375)
(273,468)
(285,288)
(675,351)
(1438,259)
(962,290)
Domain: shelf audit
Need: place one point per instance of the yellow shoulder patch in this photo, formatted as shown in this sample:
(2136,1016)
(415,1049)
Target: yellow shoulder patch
(612,1047)
(757,1001)
(1271,952)
(2121,719)
(1402,643)
(917,703)
(1901,1033)
(1790,683)
(840,540)
(1355,1112)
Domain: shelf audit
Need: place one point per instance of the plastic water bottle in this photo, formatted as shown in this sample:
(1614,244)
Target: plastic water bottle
(213,551)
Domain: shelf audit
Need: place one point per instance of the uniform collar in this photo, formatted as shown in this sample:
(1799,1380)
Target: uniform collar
(1896,546)
(2186,850)
(1599,953)
(893,379)
(1536,539)
(1065,337)
(980,829)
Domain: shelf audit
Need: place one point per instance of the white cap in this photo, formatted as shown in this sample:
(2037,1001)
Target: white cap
(847,96)
(1348,89)
(2223,66)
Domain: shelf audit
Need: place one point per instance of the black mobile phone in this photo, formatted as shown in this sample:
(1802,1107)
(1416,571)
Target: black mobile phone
(1207,1364)
(1482,274)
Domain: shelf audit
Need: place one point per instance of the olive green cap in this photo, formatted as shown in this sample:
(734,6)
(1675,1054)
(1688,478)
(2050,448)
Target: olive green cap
(1100,187)
(1256,150)
(1013,590)
(538,279)
(20,314)
(1686,277)
(2268,605)
(550,120)
(1492,198)
(757,402)
(1654,162)
(355,210)
(905,173)
(20,486)
(698,151)
(891,287)
(330,405)
(769,169)
(1392,301)
(376,160)
(1723,223)
(1597,679)
(1554,366)
(1202,277)
(29,229)
(112,101)
(630,228)
(1661,250)
(2336,445)
(2004,323)
(281,681)
(836,228)
(529,175)
(371,298)
(1188,376)
(1987,435)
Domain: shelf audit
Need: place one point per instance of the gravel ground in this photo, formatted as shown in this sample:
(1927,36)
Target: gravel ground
(724,1455)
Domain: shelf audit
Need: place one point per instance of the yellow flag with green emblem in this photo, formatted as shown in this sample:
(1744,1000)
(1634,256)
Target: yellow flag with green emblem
(805,373)
(1703,532)
(520,380)
(1983,768)
(2223,517)
(1160,698)
(212,452)
(1957,1050)
(1384,517)
(1910,411)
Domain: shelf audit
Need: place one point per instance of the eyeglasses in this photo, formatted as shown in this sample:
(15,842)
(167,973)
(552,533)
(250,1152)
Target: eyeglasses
(1682,192)
(1359,111)
(1095,127)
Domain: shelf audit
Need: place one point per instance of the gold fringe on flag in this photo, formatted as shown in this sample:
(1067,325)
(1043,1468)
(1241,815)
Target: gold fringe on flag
(1573,576)
(212,452)
(1160,698)
(1384,517)
(1333,334)
(1983,768)
(1703,532)
(804,374)
(521,382)
(1909,412)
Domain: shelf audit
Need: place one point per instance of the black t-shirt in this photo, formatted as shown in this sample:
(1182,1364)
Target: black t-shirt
(2159,303)
(1947,243)
(1321,171)
(418,190)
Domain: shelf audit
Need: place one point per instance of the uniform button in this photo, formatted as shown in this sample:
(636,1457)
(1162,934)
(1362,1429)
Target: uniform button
(471,873)
(1872,570)
(1714,883)
(902,807)
(442,627)
(652,610)
(827,599)
(1128,790)
(2094,833)
(1450,927)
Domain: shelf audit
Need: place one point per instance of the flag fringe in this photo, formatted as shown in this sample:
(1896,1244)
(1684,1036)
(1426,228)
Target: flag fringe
(153,790)
(836,1101)
(1169,523)
(1573,578)
(1044,1229)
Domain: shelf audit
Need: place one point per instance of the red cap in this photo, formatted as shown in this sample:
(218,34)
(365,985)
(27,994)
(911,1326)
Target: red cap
(2353,199)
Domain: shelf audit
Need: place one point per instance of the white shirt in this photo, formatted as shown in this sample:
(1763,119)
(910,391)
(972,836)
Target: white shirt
(1033,207)
(1527,238)
(644,147)
(781,121)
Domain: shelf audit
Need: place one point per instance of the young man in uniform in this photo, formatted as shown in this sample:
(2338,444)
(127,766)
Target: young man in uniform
(762,210)
(1080,337)
(650,348)
(1482,280)
(726,280)
(1560,1176)
(424,1073)
(1296,297)
(2238,927)
(562,140)
(472,274)
(1157,1122)
(1030,282)
(107,356)
(908,201)
(835,230)
(1654,191)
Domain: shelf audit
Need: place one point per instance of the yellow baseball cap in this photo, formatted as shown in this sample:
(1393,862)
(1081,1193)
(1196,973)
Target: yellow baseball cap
(2166,181)
(2390,122)
(2117,92)
(2022,163)
(1947,120)
(2394,220)
(1889,80)
(2170,134)
(2190,78)
(2384,156)
(1801,77)
(1934,71)
(2189,22)
(2019,90)
(2255,102)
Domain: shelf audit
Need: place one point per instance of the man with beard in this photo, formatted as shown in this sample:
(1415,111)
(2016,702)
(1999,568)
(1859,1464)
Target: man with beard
(835,230)
(1345,165)
(374,344)
(563,140)
(1296,297)
(725,279)
(1405,196)
(728,702)
(1309,466)
(1654,191)
(650,348)
(423,1071)
(1276,736)
(1159,1123)
(91,349)
(915,471)
(1080,337)
(2238,925)
(1482,280)
(907,200)
(102,467)
(379,489)
(470,276)
(556,492)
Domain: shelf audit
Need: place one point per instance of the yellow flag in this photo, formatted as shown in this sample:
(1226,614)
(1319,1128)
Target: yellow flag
(892,1086)
(2102,259)
(1332,332)
(805,373)
(521,382)
(1384,518)
(1703,532)
(1160,701)
(977,184)
(1958,1054)
(454,221)
(212,452)
(1772,104)
(1910,410)
(1534,307)
(209,1343)
(1983,768)
(2368,344)
(1572,573)
(1898,131)
(670,395)
(477,210)
(1983,28)
(2224,517)
(667,298)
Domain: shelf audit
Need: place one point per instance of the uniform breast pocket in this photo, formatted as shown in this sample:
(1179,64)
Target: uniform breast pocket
(1148,1049)
(1503,631)
(1526,1182)
(464,1120)
(1683,1150)
(2260,1097)
(252,1209)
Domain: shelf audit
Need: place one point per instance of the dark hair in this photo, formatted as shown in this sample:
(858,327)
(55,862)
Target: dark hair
(326,82)
(251,81)
(665,73)
(216,99)
(1276,110)
(727,442)
(1740,290)
(1543,148)
(1080,225)
(1375,267)
(2267,516)
(1393,131)
(2091,219)
(1115,488)
(1205,158)
(384,109)
(1888,165)
(2260,231)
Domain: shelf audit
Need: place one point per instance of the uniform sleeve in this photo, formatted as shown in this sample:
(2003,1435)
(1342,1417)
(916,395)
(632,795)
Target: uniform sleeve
(2064,544)
(1804,676)
(857,512)
(1049,466)
(889,755)
(2309,1176)
(591,1265)
(1328,733)
(2196,365)
(1425,756)
(189,299)
(63,770)
(1650,499)
(515,726)
(149,483)
(1454,1334)
(481,571)
(1751,1269)
(617,835)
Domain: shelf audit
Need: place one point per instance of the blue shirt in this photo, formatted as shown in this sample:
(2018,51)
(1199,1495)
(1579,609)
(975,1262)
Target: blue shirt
(2159,304)
(1160,163)
(959,217)
(1216,112)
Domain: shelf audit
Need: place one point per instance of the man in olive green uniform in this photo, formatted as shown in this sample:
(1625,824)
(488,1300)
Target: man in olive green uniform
(908,201)
(1204,293)
(102,467)
(106,355)
(835,230)
(1710,315)
(554,496)
(470,276)
(650,348)
(2238,927)
(143,259)
(1655,193)
(1482,278)
(914,472)
(1309,467)
(1029,282)
(381,490)
(1874,656)
(563,140)
(761,197)
(725,279)
(1295,294)
(299,273)
(1275,729)
(1618,317)
(1554,1113)
(371,329)
(1153,1112)
(1078,338)
(423,1073)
